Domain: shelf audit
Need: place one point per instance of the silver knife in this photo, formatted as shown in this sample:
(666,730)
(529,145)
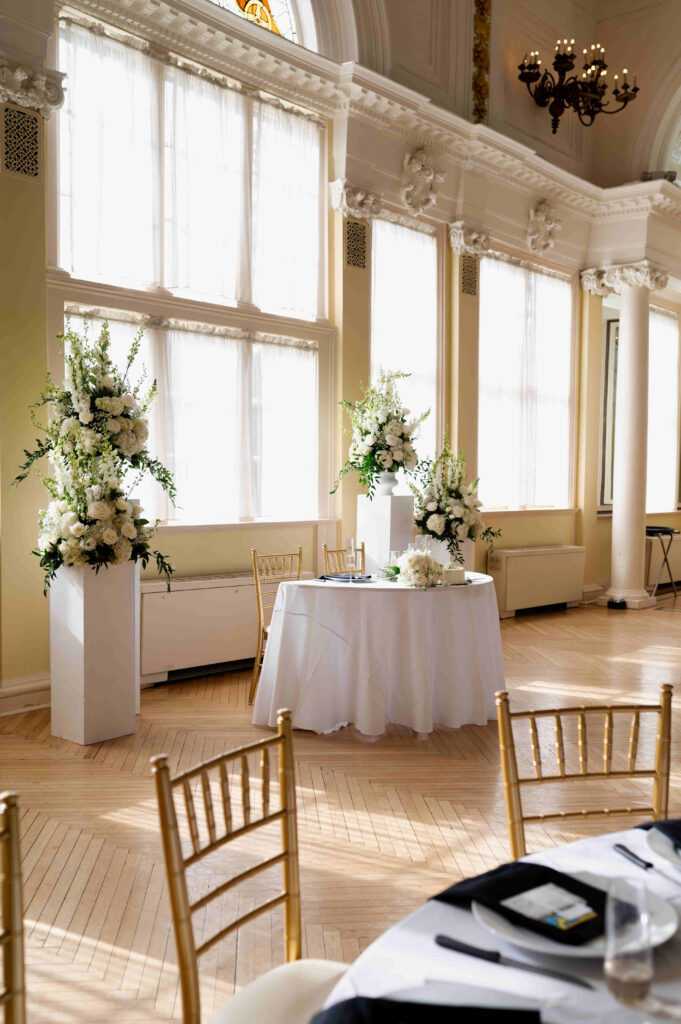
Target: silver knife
(495,957)
(647,865)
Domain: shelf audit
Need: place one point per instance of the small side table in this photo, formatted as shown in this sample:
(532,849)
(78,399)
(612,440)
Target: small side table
(661,532)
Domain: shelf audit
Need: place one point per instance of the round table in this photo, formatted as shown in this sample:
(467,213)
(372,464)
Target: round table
(376,653)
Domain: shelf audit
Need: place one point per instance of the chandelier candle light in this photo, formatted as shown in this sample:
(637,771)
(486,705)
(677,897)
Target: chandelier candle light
(586,94)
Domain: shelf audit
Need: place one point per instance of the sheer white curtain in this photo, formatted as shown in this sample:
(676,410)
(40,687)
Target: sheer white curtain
(287,154)
(404,318)
(285,390)
(203,425)
(108,180)
(663,412)
(204,158)
(525,387)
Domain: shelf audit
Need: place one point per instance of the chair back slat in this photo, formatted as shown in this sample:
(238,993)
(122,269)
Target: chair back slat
(226,801)
(536,751)
(265,780)
(268,572)
(607,744)
(581,743)
(513,782)
(13,992)
(633,740)
(177,862)
(208,806)
(560,745)
(191,816)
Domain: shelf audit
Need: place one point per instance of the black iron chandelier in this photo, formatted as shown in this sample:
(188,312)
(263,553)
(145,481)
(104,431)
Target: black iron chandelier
(585,95)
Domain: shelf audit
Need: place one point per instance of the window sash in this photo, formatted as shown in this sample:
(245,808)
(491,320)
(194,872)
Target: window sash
(526,388)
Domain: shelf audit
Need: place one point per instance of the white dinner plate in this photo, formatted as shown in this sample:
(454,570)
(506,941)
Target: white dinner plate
(663,924)
(663,846)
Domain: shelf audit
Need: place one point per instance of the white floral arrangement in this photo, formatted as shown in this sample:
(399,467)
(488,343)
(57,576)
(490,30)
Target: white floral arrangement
(447,508)
(96,442)
(382,434)
(419,569)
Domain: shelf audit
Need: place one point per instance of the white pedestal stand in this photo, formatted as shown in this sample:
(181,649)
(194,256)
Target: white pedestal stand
(94,652)
(385,524)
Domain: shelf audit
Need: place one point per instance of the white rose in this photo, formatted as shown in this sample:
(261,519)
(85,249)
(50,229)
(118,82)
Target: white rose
(128,401)
(385,459)
(100,510)
(431,506)
(436,524)
(122,505)
(108,382)
(398,455)
(86,416)
(77,530)
(109,536)
(128,529)
(394,427)
(458,510)
(68,519)
(392,439)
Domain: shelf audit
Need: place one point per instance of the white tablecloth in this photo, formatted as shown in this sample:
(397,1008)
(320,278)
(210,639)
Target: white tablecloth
(375,653)
(407,956)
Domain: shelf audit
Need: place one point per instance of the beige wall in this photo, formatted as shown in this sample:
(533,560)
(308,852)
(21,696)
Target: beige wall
(24,642)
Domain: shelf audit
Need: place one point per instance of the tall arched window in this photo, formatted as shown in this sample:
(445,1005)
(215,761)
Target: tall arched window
(278,16)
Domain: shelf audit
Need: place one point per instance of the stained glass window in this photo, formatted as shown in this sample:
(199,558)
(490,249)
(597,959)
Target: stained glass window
(274,15)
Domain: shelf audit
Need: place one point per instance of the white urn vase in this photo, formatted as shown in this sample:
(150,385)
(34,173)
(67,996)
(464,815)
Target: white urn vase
(386,483)
(94,652)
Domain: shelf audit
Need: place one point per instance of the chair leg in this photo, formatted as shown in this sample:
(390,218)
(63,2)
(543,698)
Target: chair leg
(257,665)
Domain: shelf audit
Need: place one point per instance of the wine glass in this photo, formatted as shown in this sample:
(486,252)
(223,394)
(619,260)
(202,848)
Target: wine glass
(394,557)
(628,964)
(350,556)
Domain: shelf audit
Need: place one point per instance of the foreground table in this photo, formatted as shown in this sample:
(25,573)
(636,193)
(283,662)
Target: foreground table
(375,653)
(407,956)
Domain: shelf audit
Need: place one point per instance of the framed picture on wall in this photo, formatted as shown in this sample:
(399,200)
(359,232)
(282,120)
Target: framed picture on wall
(612,332)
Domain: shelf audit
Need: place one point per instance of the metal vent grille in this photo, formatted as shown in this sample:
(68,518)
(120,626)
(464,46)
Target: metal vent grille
(469,274)
(355,244)
(21,142)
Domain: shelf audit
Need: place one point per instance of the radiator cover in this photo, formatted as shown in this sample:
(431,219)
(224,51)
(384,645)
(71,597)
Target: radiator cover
(531,577)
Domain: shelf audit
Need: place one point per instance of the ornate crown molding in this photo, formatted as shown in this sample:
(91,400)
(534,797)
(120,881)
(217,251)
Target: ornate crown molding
(29,86)
(420,181)
(641,274)
(467,239)
(354,202)
(542,227)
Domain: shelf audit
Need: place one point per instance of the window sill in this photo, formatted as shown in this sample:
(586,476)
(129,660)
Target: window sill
(504,513)
(168,528)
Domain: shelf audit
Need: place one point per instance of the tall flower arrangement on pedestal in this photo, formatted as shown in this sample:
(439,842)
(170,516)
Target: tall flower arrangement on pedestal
(382,434)
(447,508)
(96,441)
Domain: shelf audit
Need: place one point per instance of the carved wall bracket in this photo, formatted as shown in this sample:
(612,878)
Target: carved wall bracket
(641,274)
(420,181)
(29,86)
(469,240)
(542,227)
(354,202)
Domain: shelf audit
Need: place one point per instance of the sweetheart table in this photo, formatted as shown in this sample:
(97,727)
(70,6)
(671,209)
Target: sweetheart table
(406,956)
(376,653)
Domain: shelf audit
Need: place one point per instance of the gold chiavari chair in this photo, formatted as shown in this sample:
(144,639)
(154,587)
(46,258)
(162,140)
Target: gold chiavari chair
(12,994)
(336,559)
(269,571)
(608,712)
(293,992)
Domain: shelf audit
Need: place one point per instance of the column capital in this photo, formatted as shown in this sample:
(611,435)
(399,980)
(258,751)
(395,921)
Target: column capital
(641,274)
(469,240)
(352,201)
(29,85)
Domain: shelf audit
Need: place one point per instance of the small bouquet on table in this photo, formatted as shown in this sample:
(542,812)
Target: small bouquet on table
(96,442)
(448,509)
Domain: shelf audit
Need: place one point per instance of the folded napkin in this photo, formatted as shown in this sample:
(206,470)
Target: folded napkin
(671,828)
(509,880)
(345,577)
(362,1010)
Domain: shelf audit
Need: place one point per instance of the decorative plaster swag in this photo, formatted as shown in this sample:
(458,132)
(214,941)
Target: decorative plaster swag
(29,86)
(642,274)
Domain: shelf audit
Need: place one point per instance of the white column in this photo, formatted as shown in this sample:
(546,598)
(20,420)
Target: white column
(627,577)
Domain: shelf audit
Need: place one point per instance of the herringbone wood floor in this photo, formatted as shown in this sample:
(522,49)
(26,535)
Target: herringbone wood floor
(382,826)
